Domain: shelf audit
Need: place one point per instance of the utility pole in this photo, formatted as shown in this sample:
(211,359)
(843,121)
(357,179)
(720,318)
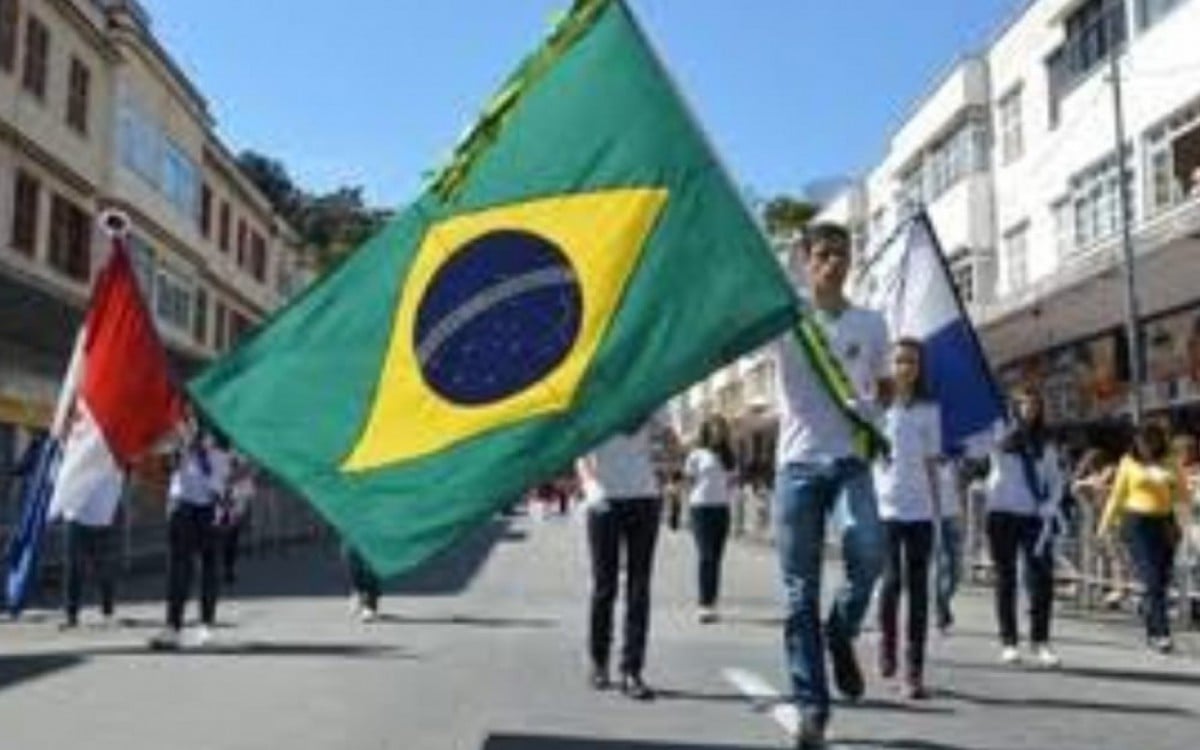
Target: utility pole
(1132,307)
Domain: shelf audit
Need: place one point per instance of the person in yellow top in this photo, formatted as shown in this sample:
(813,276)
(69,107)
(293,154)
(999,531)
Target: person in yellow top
(1149,493)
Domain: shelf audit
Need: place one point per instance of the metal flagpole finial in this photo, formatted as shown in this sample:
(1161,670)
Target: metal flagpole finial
(114,223)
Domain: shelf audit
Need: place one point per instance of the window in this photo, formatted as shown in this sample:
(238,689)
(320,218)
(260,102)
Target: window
(1096,203)
(139,142)
(962,273)
(25,213)
(180,180)
(10,13)
(1064,227)
(220,339)
(37,52)
(142,257)
(1093,31)
(78,92)
(1016,255)
(1151,11)
(1012,141)
(1173,160)
(241,243)
(258,257)
(205,210)
(200,316)
(911,191)
(223,227)
(70,240)
(173,299)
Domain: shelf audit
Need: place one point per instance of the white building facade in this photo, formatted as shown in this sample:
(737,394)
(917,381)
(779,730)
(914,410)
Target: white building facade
(1013,153)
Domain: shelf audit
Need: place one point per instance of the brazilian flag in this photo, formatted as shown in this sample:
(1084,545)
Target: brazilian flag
(582,258)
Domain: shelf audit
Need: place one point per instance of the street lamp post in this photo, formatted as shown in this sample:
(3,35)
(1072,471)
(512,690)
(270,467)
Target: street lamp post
(1132,307)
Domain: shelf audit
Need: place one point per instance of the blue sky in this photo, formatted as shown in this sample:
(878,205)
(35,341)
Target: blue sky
(374,92)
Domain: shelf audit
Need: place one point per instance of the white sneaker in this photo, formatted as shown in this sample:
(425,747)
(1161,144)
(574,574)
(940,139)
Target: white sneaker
(707,615)
(1010,655)
(167,638)
(203,636)
(1045,657)
(355,603)
(368,615)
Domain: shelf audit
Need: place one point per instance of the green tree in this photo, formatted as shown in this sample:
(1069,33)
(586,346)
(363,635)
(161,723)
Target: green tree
(785,215)
(272,178)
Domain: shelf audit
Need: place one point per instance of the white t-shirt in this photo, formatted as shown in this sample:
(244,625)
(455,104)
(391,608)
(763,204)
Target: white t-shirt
(621,467)
(811,426)
(950,497)
(710,480)
(1008,487)
(902,481)
(191,483)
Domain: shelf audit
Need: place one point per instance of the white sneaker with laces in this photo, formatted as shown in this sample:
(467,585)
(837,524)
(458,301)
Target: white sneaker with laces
(1045,656)
(1010,655)
(167,638)
(203,636)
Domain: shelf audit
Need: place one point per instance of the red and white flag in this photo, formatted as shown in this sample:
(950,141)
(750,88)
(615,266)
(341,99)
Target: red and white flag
(117,400)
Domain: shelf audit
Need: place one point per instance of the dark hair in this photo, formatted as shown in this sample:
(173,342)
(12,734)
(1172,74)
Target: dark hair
(1150,443)
(921,390)
(1027,436)
(714,435)
(824,233)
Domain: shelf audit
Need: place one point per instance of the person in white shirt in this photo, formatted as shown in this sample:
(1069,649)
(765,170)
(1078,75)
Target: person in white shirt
(948,550)
(708,469)
(909,499)
(1025,485)
(623,505)
(818,465)
(197,486)
(241,492)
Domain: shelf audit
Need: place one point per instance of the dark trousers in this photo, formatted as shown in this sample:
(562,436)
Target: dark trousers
(89,546)
(907,550)
(710,528)
(230,535)
(1152,547)
(362,579)
(191,535)
(1011,535)
(631,523)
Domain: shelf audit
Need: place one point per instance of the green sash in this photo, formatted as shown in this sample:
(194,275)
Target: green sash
(869,443)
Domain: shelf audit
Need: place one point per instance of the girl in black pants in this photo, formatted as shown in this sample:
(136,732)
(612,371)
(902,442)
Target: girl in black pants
(1024,488)
(908,507)
(623,509)
(707,470)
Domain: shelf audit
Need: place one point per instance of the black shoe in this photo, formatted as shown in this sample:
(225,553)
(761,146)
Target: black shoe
(68,624)
(598,679)
(846,673)
(632,686)
(811,732)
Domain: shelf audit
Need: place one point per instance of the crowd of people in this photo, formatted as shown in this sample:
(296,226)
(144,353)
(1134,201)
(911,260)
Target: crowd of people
(896,503)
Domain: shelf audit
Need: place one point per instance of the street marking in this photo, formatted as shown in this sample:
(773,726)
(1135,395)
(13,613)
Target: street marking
(762,695)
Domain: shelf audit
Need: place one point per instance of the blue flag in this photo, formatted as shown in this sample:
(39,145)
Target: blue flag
(39,467)
(909,282)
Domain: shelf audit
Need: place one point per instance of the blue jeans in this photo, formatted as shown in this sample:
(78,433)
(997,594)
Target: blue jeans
(805,495)
(947,569)
(1152,547)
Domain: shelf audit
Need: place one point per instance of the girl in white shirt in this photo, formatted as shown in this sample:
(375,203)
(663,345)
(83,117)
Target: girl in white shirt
(708,470)
(908,489)
(1025,484)
(623,506)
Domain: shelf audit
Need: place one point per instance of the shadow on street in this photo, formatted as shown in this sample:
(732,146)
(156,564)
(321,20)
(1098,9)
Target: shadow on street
(22,668)
(552,742)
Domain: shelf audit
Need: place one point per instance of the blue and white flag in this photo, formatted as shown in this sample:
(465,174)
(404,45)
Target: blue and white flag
(908,281)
